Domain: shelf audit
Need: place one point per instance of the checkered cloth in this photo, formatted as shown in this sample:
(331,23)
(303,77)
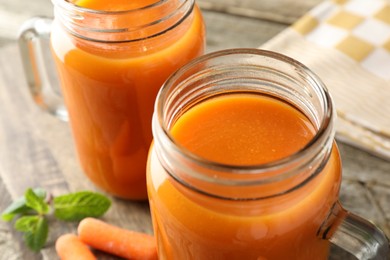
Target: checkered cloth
(347,44)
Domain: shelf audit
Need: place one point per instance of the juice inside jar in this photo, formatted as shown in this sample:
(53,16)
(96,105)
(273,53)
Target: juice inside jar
(110,87)
(242,129)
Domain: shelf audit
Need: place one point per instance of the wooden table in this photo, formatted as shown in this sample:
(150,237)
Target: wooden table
(36,149)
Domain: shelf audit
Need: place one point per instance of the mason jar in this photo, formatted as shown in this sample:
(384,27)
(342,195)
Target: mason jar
(231,180)
(111,64)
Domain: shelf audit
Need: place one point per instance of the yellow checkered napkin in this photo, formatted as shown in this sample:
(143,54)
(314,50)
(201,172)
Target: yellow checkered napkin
(347,44)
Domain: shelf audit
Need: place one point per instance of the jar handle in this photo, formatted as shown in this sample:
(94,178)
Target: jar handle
(34,45)
(355,235)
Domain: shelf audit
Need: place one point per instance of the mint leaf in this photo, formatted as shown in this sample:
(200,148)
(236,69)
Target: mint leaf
(36,238)
(19,206)
(33,209)
(26,223)
(35,229)
(79,205)
(35,202)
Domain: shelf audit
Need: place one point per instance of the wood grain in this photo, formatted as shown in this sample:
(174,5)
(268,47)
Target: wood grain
(281,11)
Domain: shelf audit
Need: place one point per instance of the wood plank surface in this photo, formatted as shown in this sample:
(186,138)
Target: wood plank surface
(280,11)
(36,149)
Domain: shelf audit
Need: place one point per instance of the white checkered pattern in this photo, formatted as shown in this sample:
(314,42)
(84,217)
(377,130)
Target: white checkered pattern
(354,28)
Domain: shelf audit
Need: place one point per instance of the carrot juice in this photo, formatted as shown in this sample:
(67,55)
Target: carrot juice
(196,219)
(112,58)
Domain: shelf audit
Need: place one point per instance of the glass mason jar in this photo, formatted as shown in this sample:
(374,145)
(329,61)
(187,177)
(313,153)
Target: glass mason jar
(283,209)
(111,65)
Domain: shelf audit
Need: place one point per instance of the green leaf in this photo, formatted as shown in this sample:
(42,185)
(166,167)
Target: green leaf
(35,229)
(26,223)
(32,209)
(19,206)
(36,238)
(35,202)
(79,205)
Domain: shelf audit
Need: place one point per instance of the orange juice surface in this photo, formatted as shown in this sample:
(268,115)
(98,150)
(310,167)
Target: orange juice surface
(242,129)
(110,87)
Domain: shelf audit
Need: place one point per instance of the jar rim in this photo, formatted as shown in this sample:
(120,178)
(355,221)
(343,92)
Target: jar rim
(71,6)
(113,26)
(324,133)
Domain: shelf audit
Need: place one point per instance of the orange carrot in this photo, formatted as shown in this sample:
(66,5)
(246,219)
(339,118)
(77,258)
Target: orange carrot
(70,247)
(117,241)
